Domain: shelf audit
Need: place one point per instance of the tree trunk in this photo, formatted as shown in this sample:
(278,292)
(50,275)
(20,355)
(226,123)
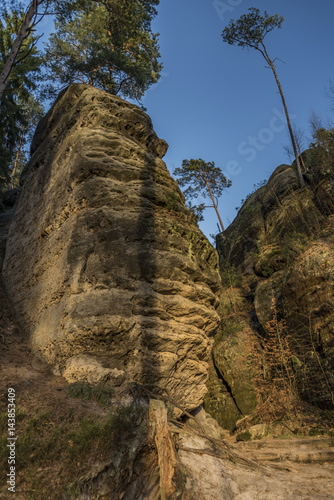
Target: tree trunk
(22,34)
(271,64)
(164,446)
(214,204)
(289,125)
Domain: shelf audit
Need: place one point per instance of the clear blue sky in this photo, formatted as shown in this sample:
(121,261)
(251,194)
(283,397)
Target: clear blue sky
(220,103)
(213,99)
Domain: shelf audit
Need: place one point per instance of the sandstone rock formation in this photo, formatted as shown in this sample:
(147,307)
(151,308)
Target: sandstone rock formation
(231,392)
(282,241)
(6,216)
(103,261)
(5,221)
(77,448)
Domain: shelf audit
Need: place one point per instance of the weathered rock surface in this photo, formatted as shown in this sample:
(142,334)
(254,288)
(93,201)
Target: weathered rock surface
(125,465)
(282,241)
(278,208)
(102,258)
(5,220)
(231,360)
(231,390)
(7,202)
(281,469)
(219,401)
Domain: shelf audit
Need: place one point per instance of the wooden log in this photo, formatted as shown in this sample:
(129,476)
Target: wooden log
(164,446)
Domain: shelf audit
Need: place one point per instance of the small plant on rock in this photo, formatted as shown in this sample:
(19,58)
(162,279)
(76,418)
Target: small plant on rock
(276,385)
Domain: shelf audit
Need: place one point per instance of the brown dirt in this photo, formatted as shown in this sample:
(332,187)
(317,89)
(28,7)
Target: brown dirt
(42,407)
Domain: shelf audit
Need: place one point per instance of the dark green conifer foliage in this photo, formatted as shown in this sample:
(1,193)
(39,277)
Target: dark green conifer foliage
(108,44)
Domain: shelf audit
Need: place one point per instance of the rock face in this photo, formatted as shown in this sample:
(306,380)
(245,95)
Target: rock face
(106,269)
(6,215)
(282,241)
(5,221)
(231,388)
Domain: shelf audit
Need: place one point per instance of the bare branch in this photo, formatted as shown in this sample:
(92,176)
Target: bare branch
(29,51)
(21,36)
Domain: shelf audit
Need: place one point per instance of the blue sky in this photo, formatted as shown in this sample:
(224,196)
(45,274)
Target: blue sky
(220,103)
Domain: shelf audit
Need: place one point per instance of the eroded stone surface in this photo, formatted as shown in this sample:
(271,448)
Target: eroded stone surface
(102,258)
(282,241)
(6,217)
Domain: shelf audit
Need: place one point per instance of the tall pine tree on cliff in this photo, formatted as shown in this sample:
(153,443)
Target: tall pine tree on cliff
(249,31)
(205,179)
(105,43)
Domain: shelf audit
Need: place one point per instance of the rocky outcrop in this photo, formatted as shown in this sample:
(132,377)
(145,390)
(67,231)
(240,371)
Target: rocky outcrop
(6,215)
(231,388)
(5,221)
(253,242)
(282,243)
(106,269)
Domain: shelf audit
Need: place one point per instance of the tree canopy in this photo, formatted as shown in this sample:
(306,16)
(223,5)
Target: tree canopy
(204,179)
(106,43)
(250,29)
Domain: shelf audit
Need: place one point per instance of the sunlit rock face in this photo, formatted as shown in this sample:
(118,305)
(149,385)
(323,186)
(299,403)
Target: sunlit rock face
(103,261)
(283,240)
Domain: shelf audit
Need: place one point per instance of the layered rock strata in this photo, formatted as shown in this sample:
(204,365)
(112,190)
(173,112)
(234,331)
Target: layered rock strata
(6,214)
(107,270)
(282,241)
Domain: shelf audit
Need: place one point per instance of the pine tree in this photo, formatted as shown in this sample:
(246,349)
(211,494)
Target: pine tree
(22,39)
(202,178)
(15,112)
(108,44)
(249,31)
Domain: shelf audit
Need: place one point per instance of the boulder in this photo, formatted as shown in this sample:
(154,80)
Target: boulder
(99,262)
(232,359)
(219,401)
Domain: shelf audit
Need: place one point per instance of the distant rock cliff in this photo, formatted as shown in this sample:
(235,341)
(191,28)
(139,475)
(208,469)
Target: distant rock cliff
(110,276)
